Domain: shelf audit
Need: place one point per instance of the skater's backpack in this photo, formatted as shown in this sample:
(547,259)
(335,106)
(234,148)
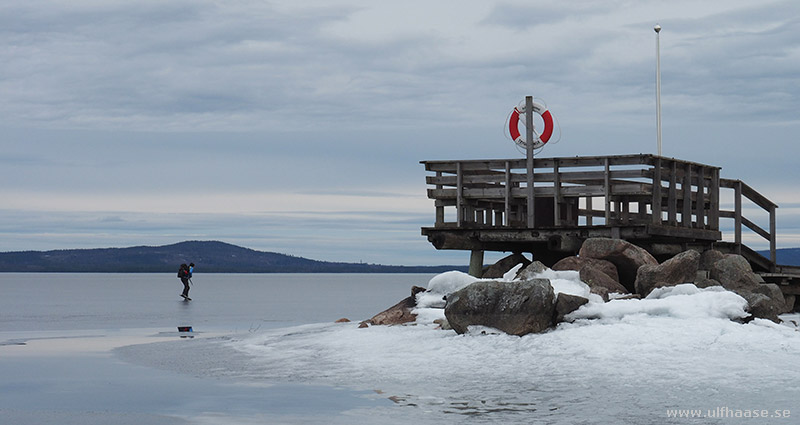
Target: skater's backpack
(182,271)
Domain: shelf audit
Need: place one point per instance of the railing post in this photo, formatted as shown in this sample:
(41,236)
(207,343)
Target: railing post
(508,194)
(713,218)
(672,196)
(686,186)
(439,208)
(772,239)
(701,197)
(459,195)
(607,190)
(556,194)
(589,211)
(657,192)
(737,216)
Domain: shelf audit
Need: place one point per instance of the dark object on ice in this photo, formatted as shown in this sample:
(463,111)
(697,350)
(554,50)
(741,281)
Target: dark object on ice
(185,329)
(342,320)
(516,308)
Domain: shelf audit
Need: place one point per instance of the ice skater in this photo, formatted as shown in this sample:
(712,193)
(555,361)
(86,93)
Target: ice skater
(185,273)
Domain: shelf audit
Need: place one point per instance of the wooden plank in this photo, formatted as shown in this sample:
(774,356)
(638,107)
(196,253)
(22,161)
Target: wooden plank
(754,227)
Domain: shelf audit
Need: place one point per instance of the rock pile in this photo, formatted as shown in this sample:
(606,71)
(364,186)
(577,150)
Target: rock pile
(612,269)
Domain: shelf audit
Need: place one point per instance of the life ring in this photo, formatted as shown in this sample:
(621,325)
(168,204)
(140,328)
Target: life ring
(539,140)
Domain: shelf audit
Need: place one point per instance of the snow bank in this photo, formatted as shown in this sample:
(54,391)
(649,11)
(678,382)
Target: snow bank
(681,301)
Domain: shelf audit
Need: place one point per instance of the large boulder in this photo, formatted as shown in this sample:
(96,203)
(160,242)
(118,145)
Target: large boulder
(709,257)
(577,263)
(516,308)
(566,304)
(600,275)
(596,278)
(762,306)
(399,313)
(502,266)
(734,273)
(625,255)
(679,269)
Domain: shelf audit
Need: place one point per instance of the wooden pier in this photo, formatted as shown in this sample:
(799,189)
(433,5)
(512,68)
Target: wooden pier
(664,205)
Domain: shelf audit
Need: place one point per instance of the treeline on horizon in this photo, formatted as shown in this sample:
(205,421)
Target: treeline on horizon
(209,256)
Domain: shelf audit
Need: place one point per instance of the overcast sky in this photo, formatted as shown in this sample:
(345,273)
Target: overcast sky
(298,126)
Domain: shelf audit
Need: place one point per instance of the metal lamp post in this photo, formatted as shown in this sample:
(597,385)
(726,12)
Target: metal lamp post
(657,29)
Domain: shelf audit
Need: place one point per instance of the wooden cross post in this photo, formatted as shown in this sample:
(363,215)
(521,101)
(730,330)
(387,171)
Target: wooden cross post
(529,154)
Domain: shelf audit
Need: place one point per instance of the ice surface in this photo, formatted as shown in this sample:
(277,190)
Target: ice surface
(678,348)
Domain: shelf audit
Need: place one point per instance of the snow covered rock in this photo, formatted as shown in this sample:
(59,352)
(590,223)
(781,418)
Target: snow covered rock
(502,266)
(679,269)
(400,312)
(625,255)
(516,308)
(531,270)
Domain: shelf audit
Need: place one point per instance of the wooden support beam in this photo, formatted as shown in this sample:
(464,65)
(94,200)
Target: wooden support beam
(476,263)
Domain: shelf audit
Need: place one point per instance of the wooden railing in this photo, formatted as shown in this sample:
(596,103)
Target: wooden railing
(629,189)
(742,190)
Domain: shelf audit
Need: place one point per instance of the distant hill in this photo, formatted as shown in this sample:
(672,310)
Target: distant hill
(209,257)
(785,256)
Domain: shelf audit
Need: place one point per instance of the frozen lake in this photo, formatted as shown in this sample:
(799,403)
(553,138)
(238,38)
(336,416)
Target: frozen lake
(103,349)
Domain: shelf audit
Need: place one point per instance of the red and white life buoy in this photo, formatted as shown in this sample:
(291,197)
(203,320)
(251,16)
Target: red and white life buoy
(539,140)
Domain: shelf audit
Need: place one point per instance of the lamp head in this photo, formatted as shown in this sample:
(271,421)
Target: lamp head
(657,28)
